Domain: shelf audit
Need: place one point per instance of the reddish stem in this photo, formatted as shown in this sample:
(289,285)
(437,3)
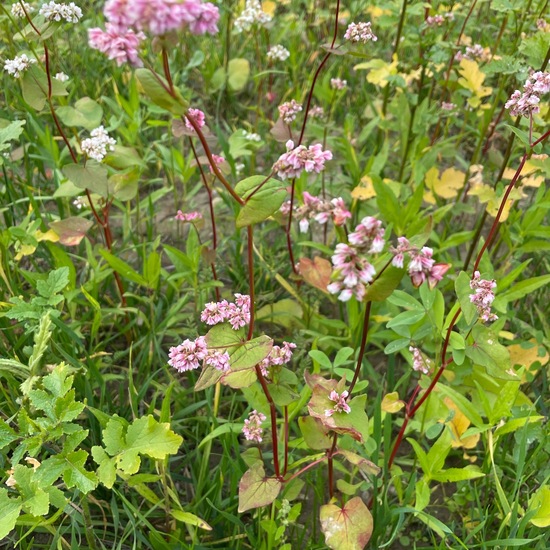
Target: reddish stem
(286,428)
(362,348)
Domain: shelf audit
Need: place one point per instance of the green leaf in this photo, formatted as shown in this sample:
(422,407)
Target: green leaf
(384,286)
(487,352)
(156,88)
(250,353)
(261,204)
(463,291)
(422,490)
(406,318)
(107,468)
(57,280)
(10,132)
(86,113)
(238,71)
(93,177)
(540,504)
(387,203)
(75,473)
(523,288)
(190,519)
(7,435)
(346,528)
(402,299)
(34,86)
(396,345)
(125,184)
(256,490)
(124,269)
(10,508)
(321,358)
(366,466)
(452,475)
(314,433)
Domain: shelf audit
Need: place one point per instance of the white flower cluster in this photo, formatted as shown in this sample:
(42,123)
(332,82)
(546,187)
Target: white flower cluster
(62,77)
(52,11)
(17,10)
(18,65)
(251,14)
(278,52)
(98,144)
(251,136)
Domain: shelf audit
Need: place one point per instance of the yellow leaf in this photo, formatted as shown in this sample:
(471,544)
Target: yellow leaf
(365,190)
(50,236)
(24,250)
(486,194)
(458,425)
(375,12)
(269,7)
(448,185)
(379,71)
(391,403)
(541,503)
(472,79)
(529,358)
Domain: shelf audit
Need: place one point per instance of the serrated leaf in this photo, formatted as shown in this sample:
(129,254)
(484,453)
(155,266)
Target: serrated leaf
(57,280)
(7,435)
(10,132)
(75,473)
(346,528)
(261,204)
(256,490)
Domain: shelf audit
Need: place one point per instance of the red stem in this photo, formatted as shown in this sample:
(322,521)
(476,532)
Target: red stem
(362,348)
(285,468)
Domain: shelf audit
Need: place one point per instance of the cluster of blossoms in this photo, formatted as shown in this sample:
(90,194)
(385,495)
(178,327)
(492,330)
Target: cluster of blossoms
(289,110)
(278,53)
(62,77)
(98,144)
(439,19)
(218,160)
(422,266)
(352,269)
(360,32)
(128,18)
(52,11)
(279,355)
(18,64)
(340,403)
(420,363)
(188,216)
(251,136)
(475,53)
(338,83)
(318,209)
(198,118)
(252,428)
(317,112)
(292,163)
(18,11)
(527,103)
(190,353)
(483,296)
(448,106)
(543,25)
(237,313)
(252,14)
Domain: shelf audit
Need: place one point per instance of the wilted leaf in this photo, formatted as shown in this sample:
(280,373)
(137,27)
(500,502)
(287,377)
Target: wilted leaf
(472,79)
(379,70)
(446,186)
(316,272)
(365,190)
(346,528)
(391,403)
(71,230)
(458,425)
(256,490)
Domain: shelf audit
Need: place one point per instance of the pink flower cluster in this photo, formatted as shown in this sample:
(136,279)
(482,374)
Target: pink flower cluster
(352,269)
(218,160)
(237,313)
(475,53)
(279,355)
(190,353)
(292,163)
(483,296)
(128,18)
(360,32)
(198,118)
(422,266)
(420,363)
(338,83)
(439,19)
(320,210)
(289,110)
(352,273)
(527,103)
(252,428)
(341,404)
(188,216)
(368,235)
